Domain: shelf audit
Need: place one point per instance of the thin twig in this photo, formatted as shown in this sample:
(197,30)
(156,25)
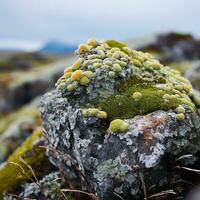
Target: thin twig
(188,169)
(184,156)
(21,168)
(118,195)
(31,169)
(143,186)
(163,193)
(63,194)
(93,196)
(14,195)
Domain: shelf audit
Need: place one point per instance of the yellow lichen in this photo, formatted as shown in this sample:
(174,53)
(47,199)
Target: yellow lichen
(117,68)
(92,42)
(102,115)
(77,64)
(180,117)
(89,74)
(82,48)
(111,74)
(84,80)
(71,87)
(67,75)
(136,62)
(77,75)
(118,125)
(94,112)
(68,69)
(180,109)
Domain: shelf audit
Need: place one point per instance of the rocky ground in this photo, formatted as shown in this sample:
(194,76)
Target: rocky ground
(80,154)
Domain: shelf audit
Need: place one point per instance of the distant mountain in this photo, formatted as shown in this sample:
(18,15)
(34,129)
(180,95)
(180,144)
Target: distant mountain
(56,47)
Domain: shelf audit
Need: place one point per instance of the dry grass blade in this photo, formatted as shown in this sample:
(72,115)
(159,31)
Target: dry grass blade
(31,169)
(93,196)
(22,169)
(14,195)
(118,195)
(63,194)
(163,193)
(143,186)
(183,157)
(189,169)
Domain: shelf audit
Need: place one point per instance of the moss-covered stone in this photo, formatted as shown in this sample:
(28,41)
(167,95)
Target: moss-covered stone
(10,173)
(124,82)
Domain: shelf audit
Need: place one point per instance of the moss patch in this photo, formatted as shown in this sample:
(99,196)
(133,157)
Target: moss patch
(11,175)
(123,105)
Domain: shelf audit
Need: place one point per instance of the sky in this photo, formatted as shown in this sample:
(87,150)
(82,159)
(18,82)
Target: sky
(29,23)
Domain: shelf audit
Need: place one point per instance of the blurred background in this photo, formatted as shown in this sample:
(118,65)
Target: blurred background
(38,38)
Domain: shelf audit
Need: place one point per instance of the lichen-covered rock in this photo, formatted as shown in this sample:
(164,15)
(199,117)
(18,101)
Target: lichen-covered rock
(149,115)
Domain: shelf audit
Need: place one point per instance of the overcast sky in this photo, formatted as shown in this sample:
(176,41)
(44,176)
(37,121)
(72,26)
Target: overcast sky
(30,22)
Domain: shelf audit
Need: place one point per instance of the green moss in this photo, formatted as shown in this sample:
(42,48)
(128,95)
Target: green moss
(123,105)
(11,175)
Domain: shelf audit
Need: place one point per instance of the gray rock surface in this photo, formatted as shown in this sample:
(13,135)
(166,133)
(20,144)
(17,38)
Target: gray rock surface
(108,163)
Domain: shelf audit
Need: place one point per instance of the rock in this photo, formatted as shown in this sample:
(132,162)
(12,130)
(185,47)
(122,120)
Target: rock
(162,123)
(17,126)
(193,74)
(174,46)
(15,135)
(19,88)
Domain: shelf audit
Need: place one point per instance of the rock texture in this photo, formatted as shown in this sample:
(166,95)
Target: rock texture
(114,162)
(157,105)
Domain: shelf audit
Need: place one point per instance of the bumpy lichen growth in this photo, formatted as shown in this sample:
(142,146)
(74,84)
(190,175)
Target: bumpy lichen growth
(11,174)
(118,125)
(93,112)
(123,82)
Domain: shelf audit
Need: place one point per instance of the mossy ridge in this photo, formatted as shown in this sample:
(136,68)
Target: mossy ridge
(124,106)
(11,175)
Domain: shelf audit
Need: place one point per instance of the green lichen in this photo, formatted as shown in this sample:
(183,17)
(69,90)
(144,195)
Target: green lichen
(94,112)
(180,117)
(118,125)
(11,175)
(180,109)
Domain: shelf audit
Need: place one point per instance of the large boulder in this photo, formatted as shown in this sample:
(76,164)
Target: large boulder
(119,119)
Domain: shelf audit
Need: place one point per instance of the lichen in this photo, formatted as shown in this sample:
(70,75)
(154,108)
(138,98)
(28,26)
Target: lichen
(180,117)
(123,82)
(11,175)
(118,125)
(93,112)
